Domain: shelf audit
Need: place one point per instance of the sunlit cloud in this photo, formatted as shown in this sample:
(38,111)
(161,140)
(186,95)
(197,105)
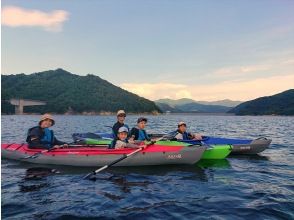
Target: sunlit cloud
(13,16)
(162,90)
(243,91)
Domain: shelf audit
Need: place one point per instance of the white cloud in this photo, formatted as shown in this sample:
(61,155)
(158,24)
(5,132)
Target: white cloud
(244,90)
(13,16)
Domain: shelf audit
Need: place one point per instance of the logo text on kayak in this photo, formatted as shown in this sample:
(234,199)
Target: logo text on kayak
(174,156)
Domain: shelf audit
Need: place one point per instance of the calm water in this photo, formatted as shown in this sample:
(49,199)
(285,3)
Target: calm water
(255,187)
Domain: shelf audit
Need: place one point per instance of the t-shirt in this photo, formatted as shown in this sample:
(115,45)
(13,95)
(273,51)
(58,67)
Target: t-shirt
(179,136)
(120,144)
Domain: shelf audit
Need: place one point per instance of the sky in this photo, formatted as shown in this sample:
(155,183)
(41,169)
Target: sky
(206,50)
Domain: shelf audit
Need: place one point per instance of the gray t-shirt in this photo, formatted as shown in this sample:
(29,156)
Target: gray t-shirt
(179,136)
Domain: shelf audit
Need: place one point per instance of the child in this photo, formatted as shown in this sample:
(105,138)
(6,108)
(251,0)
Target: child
(121,141)
(139,133)
(182,133)
(121,116)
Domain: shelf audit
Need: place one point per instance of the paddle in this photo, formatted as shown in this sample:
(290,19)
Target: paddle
(118,160)
(41,152)
(123,157)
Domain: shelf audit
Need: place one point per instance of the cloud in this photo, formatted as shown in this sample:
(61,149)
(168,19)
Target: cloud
(243,91)
(241,70)
(13,16)
(162,90)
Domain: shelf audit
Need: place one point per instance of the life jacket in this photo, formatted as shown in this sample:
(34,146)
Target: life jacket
(135,132)
(48,138)
(45,136)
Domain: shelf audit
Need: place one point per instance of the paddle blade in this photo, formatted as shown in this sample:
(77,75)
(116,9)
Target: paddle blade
(90,175)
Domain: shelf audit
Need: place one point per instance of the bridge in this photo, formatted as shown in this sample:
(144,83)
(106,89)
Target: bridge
(20,103)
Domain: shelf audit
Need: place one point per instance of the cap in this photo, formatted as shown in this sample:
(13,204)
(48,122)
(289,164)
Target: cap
(45,117)
(121,112)
(142,119)
(181,123)
(123,129)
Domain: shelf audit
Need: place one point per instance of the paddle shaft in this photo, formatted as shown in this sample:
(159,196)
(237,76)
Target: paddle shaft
(118,160)
(37,154)
(41,152)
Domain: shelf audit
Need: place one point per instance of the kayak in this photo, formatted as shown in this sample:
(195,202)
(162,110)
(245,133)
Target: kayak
(239,146)
(212,152)
(100,156)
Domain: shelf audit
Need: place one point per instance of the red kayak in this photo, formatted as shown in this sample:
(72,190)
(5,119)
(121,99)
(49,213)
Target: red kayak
(99,156)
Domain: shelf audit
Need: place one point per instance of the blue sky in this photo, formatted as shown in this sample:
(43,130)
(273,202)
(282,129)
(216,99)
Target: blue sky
(205,50)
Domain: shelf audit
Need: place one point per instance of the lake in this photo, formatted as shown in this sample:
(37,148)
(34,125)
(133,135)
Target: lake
(239,187)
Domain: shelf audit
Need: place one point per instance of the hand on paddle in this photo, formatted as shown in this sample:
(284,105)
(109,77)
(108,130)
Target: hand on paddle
(60,146)
(197,137)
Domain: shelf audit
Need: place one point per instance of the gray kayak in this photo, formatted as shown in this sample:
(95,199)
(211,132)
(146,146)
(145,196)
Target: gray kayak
(98,156)
(254,147)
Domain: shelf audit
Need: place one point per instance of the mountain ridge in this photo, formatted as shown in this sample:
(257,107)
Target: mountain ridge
(278,104)
(66,92)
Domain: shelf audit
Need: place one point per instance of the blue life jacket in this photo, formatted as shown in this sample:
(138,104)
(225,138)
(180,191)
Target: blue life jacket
(48,137)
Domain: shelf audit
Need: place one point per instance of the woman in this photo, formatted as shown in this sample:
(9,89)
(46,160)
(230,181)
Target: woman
(42,137)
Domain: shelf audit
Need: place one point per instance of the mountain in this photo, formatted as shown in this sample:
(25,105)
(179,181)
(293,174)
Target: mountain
(66,92)
(190,105)
(225,102)
(279,104)
(167,108)
(173,103)
(195,107)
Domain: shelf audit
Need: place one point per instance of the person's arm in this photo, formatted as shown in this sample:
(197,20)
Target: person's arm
(115,130)
(55,141)
(197,137)
(130,145)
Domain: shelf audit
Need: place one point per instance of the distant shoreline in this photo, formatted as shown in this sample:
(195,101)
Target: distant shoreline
(158,114)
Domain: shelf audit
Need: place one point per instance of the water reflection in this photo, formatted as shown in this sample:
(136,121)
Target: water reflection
(36,178)
(250,157)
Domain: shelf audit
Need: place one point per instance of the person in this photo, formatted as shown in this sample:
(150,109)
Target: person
(121,116)
(182,134)
(138,133)
(121,141)
(42,137)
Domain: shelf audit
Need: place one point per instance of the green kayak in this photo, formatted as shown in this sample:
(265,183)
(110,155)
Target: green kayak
(213,152)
